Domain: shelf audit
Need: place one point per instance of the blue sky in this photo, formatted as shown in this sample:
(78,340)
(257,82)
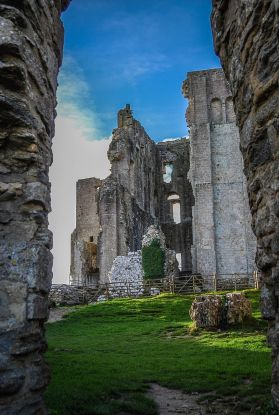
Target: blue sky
(137,52)
(118,52)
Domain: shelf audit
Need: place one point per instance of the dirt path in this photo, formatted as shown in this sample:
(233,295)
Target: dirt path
(58,313)
(172,402)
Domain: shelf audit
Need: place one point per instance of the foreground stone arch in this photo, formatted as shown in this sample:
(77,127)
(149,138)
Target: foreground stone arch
(31,43)
(246,39)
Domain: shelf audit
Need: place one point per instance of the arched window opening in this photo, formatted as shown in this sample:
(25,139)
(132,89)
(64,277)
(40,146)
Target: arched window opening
(167,173)
(178,257)
(216,111)
(230,114)
(173,196)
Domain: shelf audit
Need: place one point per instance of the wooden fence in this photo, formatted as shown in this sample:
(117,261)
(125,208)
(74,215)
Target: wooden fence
(181,285)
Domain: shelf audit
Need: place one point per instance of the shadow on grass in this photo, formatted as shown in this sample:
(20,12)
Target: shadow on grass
(103,356)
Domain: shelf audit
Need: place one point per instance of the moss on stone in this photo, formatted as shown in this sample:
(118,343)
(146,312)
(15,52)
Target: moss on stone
(153,260)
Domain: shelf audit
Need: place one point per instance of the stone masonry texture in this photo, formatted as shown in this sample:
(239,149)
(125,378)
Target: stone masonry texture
(223,241)
(31,43)
(202,176)
(246,39)
(117,211)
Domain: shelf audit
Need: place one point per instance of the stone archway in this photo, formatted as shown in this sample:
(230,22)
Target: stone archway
(31,45)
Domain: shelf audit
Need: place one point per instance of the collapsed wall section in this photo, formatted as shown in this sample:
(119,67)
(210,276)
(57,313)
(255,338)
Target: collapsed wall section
(223,242)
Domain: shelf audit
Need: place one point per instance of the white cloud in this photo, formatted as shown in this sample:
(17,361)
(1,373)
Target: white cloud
(74,99)
(75,157)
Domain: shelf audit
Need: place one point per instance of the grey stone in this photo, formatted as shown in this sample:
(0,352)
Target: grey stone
(246,39)
(212,233)
(31,39)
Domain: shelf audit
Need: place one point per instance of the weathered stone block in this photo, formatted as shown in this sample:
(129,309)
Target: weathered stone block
(218,310)
(206,310)
(238,308)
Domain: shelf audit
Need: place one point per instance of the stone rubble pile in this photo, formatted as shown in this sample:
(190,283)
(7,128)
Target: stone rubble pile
(68,295)
(126,276)
(65,295)
(217,310)
(154,233)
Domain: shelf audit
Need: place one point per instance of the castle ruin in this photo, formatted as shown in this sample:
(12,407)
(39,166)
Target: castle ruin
(246,39)
(193,188)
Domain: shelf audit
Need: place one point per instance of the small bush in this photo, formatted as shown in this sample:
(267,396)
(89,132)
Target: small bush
(153,260)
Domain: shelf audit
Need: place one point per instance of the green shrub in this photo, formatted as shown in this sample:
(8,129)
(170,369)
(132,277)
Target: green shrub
(153,260)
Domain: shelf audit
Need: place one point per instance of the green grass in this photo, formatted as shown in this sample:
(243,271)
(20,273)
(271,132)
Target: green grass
(103,356)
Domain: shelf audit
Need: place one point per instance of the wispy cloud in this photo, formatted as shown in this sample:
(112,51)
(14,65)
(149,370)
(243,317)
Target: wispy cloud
(79,151)
(75,100)
(137,66)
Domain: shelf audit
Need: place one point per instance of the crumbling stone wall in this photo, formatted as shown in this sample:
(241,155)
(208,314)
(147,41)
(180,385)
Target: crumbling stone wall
(223,242)
(178,235)
(127,205)
(84,239)
(132,198)
(30,51)
(246,39)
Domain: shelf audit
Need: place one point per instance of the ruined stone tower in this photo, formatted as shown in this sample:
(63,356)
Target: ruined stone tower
(116,212)
(193,188)
(223,242)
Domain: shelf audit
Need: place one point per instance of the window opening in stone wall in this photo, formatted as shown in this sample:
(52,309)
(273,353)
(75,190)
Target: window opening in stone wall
(167,172)
(230,114)
(216,111)
(176,212)
(178,257)
(175,207)
(91,239)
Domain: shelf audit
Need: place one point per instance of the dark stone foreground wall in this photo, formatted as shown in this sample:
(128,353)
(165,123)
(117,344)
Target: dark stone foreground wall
(31,40)
(246,39)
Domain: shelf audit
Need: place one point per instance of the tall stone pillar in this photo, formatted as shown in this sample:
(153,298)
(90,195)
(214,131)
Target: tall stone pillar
(246,39)
(31,42)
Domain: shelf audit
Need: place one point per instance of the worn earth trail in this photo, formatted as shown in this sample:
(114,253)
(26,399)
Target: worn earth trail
(171,401)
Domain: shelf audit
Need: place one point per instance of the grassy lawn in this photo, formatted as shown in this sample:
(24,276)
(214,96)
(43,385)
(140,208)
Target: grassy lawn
(103,356)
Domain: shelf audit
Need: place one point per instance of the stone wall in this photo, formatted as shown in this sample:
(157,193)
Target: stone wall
(223,242)
(132,198)
(31,52)
(178,231)
(246,39)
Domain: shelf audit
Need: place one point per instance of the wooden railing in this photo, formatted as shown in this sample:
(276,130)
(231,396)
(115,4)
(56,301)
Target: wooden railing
(182,285)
